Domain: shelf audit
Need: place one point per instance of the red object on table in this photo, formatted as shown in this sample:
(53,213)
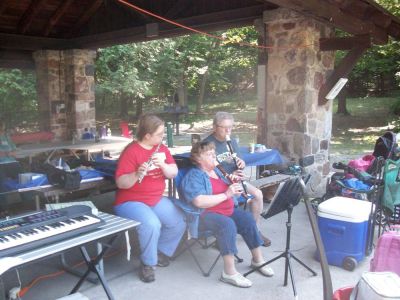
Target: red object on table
(125,132)
(32,137)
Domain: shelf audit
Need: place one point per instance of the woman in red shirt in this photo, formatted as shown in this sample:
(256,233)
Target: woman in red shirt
(141,184)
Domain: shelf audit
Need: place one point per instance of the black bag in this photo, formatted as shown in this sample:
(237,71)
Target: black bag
(385,146)
(69,180)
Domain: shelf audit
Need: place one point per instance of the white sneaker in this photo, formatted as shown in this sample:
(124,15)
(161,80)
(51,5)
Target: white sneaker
(266,271)
(237,280)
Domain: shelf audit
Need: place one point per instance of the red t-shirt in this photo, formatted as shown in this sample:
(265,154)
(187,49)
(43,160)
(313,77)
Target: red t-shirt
(226,207)
(151,189)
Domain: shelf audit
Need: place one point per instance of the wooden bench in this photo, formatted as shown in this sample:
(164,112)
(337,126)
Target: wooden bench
(268,185)
(269,181)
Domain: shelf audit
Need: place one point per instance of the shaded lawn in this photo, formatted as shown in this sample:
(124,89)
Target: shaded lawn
(352,134)
(356,133)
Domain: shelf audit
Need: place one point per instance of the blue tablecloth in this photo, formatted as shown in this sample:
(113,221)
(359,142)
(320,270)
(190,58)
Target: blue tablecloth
(270,157)
(41,180)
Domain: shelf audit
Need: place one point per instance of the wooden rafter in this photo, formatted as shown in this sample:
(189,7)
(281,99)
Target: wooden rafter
(16,59)
(213,21)
(332,14)
(344,43)
(359,46)
(20,42)
(3,6)
(62,8)
(85,16)
(29,15)
(178,7)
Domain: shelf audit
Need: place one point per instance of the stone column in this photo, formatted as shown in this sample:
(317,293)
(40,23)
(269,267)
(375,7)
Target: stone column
(79,89)
(65,85)
(296,69)
(50,87)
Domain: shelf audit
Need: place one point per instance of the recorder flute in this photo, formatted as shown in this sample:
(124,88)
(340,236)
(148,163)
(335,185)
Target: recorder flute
(149,163)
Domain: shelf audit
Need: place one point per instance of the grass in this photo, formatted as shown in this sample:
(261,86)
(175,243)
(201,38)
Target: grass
(356,133)
(353,134)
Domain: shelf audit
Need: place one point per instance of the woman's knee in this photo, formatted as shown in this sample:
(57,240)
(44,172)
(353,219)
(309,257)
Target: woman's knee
(150,224)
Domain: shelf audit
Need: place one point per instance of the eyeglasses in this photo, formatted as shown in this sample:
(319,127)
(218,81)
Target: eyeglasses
(225,127)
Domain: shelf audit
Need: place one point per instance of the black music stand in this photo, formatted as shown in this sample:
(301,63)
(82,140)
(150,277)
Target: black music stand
(287,196)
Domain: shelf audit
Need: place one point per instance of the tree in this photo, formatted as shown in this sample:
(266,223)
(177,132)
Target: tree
(18,98)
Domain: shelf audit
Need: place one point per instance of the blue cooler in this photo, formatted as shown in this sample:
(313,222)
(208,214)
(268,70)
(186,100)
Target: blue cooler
(343,224)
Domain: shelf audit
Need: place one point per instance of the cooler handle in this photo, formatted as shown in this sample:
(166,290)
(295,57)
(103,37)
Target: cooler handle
(336,229)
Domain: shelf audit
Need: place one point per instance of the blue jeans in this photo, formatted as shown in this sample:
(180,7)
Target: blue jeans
(161,227)
(226,228)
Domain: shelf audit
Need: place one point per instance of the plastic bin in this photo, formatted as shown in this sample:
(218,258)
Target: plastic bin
(343,224)
(377,286)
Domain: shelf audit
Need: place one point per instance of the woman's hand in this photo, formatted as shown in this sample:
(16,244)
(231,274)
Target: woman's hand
(142,170)
(159,160)
(240,174)
(233,178)
(234,189)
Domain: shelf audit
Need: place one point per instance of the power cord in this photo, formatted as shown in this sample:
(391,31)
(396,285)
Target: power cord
(13,294)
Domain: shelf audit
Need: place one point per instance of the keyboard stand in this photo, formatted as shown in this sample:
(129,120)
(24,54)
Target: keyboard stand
(77,273)
(93,265)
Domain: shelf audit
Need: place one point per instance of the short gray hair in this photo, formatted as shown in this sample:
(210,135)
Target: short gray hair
(222,115)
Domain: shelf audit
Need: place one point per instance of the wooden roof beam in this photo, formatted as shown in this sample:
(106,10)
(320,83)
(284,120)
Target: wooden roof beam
(61,9)
(178,6)
(342,70)
(31,43)
(344,43)
(215,21)
(333,15)
(3,6)
(85,16)
(16,59)
(29,15)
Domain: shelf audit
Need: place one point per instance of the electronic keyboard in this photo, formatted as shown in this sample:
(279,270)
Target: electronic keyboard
(24,232)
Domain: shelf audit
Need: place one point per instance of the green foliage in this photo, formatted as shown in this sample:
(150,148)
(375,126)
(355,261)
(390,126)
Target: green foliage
(155,70)
(18,99)
(395,107)
(378,70)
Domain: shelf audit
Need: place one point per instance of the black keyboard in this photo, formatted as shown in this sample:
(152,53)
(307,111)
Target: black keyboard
(24,232)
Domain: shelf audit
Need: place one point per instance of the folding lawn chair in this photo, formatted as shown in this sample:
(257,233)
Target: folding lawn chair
(390,201)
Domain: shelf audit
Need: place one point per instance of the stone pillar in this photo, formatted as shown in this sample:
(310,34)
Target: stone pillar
(296,69)
(65,85)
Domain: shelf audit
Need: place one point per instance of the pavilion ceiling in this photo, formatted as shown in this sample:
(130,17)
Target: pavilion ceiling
(30,25)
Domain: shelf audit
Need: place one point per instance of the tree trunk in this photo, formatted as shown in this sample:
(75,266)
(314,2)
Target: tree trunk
(342,97)
(181,90)
(139,107)
(200,100)
(124,107)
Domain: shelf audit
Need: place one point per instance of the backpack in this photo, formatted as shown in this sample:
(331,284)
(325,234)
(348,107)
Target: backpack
(386,146)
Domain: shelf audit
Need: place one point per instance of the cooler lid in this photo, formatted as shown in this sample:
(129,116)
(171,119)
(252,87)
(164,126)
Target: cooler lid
(345,209)
(385,284)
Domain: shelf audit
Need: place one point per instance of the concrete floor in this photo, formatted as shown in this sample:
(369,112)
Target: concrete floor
(183,280)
